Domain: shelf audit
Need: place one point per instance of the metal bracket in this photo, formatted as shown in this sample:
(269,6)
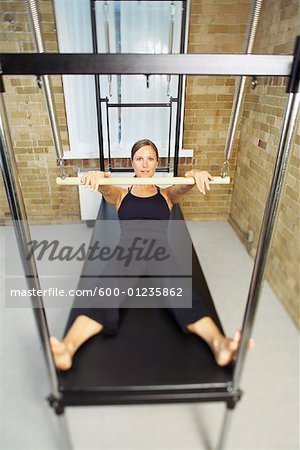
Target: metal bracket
(39,81)
(56,404)
(254,82)
(236,397)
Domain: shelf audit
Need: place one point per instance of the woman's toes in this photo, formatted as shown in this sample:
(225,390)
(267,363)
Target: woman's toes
(54,342)
(251,344)
(237,336)
(62,358)
(225,351)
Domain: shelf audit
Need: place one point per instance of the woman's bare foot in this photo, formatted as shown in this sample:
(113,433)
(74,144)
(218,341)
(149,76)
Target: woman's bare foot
(225,349)
(62,354)
(82,329)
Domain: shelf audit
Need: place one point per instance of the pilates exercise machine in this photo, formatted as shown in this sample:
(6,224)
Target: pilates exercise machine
(176,367)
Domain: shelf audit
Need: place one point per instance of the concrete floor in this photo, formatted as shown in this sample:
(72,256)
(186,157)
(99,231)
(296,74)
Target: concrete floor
(267,418)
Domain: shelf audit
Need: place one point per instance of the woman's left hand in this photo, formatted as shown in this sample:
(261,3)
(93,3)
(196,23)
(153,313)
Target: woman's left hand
(202,179)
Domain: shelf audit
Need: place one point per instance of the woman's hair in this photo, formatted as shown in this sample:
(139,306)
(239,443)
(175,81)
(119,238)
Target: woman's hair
(142,143)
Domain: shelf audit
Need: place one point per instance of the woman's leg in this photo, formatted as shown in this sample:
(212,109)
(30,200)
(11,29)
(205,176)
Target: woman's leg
(197,320)
(223,348)
(82,329)
(92,315)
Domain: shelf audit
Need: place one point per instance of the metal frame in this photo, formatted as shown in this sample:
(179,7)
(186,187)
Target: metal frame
(135,64)
(139,105)
(179,100)
(97,87)
(41,64)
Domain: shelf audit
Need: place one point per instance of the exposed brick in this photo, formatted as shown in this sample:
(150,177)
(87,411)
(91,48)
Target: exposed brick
(262,144)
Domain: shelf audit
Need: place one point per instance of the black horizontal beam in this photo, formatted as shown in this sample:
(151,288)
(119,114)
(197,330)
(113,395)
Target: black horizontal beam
(135,1)
(128,397)
(138,105)
(135,64)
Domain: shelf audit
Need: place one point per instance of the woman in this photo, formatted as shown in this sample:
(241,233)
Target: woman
(149,202)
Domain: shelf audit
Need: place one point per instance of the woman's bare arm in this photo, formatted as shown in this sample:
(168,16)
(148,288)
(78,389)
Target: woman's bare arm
(112,194)
(202,179)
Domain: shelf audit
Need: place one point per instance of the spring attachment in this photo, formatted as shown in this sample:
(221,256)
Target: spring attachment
(253,83)
(39,82)
(60,163)
(225,169)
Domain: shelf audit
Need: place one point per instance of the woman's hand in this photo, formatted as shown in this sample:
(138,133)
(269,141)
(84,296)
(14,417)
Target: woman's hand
(92,179)
(202,179)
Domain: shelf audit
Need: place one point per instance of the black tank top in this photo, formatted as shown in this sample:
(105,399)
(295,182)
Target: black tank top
(149,208)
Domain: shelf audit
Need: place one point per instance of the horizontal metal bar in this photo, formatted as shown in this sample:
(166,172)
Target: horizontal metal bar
(149,1)
(138,105)
(128,169)
(81,398)
(134,64)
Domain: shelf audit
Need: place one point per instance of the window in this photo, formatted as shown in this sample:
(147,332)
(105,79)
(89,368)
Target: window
(121,27)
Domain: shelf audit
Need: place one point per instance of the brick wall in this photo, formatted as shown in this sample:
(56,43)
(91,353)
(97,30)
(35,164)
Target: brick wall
(215,27)
(260,129)
(29,124)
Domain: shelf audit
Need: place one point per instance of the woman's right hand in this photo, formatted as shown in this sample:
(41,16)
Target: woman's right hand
(92,179)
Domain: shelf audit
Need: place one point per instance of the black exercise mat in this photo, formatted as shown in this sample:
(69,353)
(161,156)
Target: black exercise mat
(150,359)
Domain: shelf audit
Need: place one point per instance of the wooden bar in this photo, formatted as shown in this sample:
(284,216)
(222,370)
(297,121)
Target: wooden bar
(74,181)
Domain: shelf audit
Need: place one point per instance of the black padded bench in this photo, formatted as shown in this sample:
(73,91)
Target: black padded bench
(150,360)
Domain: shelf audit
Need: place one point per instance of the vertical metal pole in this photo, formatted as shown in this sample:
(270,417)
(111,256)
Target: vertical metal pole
(108,131)
(227,419)
(97,86)
(20,223)
(170,133)
(184,77)
(47,88)
(66,443)
(267,230)
(181,83)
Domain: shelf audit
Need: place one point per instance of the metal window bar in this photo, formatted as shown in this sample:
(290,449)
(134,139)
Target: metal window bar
(140,105)
(170,133)
(180,106)
(97,87)
(108,132)
(183,1)
(179,112)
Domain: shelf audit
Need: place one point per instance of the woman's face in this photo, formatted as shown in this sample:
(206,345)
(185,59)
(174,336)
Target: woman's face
(144,162)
